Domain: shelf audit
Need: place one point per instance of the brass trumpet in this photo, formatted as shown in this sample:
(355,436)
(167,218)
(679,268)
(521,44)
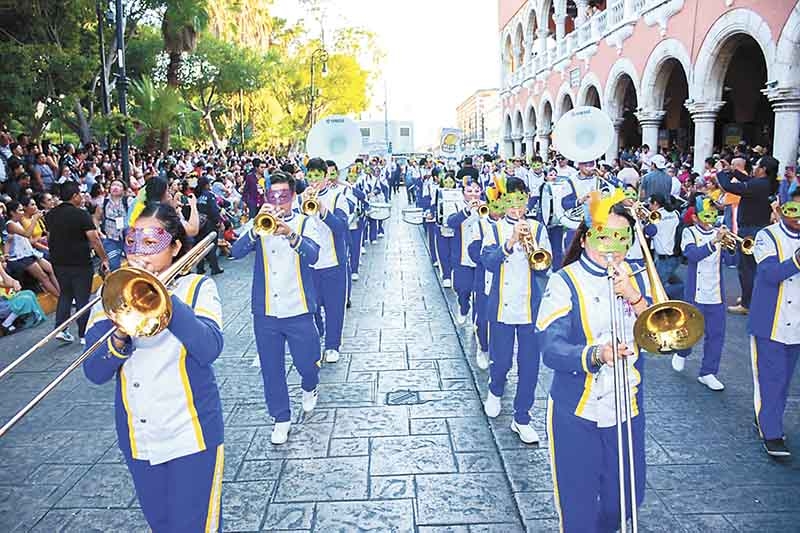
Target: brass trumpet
(310,205)
(539,259)
(730,241)
(483,210)
(645,215)
(265,224)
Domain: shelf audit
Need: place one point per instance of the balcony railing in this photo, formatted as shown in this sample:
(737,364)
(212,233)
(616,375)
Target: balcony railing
(601,25)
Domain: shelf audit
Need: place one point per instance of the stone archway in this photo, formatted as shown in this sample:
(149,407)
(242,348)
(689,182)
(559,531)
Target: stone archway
(564,101)
(621,101)
(508,135)
(530,130)
(785,97)
(519,130)
(546,126)
(589,92)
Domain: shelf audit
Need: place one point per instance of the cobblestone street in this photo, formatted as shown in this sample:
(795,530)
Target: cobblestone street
(398,441)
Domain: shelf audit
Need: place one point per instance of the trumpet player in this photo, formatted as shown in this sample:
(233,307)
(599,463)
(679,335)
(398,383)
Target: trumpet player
(574,324)
(775,337)
(168,412)
(704,288)
(330,270)
(284,300)
(512,306)
(463,222)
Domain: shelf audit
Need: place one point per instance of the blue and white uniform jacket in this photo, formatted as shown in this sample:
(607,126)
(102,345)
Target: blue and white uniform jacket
(775,309)
(575,319)
(167,403)
(427,197)
(282,284)
(515,294)
(463,223)
(704,275)
(484,233)
(332,229)
(580,186)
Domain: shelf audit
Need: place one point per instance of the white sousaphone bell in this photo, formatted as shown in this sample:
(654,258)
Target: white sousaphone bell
(336,138)
(583,134)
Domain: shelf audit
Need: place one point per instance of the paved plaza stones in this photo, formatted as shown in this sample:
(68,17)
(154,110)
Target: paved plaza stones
(398,441)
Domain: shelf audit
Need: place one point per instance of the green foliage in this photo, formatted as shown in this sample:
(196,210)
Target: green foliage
(115,125)
(157,109)
(141,51)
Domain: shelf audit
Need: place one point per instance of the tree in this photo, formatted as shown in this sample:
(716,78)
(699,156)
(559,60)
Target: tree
(182,22)
(158,110)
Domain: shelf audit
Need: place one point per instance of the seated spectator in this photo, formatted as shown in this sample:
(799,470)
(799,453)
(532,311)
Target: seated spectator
(39,236)
(18,308)
(21,255)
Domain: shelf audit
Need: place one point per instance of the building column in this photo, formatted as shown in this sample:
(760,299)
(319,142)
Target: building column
(613,151)
(508,147)
(582,6)
(530,144)
(544,145)
(518,146)
(561,29)
(786,104)
(650,121)
(704,116)
(629,10)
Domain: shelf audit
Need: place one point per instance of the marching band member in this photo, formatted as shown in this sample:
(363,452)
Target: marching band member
(535,181)
(635,256)
(775,337)
(444,234)
(168,412)
(664,246)
(484,232)
(512,306)
(284,301)
(704,288)
(574,324)
(330,270)
(376,192)
(463,223)
(355,195)
(427,202)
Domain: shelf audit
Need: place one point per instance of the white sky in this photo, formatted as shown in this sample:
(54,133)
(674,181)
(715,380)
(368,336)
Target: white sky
(438,52)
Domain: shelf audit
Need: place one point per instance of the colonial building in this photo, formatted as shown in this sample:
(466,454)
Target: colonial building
(479,118)
(697,74)
(377,136)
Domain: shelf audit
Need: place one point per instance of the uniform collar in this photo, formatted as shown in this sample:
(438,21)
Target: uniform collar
(705,232)
(789,233)
(591,267)
(510,220)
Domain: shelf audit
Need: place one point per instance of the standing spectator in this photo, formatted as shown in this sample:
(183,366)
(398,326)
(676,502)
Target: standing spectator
(753,214)
(209,222)
(45,171)
(113,216)
(250,194)
(72,237)
(656,181)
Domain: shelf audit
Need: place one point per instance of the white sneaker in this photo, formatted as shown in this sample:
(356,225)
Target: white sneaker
(711,381)
(65,336)
(280,433)
(678,363)
(309,400)
(460,319)
(331,356)
(380,235)
(447,284)
(375,241)
(492,405)
(526,432)
(436,263)
(354,276)
(82,340)
(482,359)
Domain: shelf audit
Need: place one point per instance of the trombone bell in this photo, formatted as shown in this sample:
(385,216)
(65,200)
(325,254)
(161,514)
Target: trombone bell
(137,302)
(669,326)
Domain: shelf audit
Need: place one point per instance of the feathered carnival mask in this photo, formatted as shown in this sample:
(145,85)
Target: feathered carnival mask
(599,236)
(705,210)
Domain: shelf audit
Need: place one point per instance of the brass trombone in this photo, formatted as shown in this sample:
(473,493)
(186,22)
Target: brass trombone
(539,259)
(136,301)
(666,326)
(645,215)
(730,241)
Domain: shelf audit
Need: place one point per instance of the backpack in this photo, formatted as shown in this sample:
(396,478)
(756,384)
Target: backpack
(677,251)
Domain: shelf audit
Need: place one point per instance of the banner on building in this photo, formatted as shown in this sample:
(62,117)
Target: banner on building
(450,139)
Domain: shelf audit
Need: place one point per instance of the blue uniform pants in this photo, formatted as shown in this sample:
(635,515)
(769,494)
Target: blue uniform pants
(501,352)
(773,367)
(355,246)
(431,229)
(556,236)
(481,319)
(331,286)
(375,229)
(714,337)
(444,253)
(583,460)
(115,250)
(183,495)
(463,283)
(272,335)
(666,267)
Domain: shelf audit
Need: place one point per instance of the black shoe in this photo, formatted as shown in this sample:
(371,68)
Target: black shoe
(349,305)
(217,272)
(776,448)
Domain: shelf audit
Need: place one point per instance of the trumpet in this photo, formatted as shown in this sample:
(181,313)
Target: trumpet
(310,205)
(483,210)
(265,224)
(539,259)
(730,241)
(645,215)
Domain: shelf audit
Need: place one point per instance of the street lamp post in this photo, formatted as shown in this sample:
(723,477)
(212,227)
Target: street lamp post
(122,80)
(320,54)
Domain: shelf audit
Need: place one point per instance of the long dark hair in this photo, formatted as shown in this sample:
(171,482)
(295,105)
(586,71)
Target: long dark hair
(575,249)
(170,221)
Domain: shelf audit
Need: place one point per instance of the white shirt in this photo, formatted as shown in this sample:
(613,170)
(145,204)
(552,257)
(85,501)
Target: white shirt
(785,325)
(327,249)
(707,284)
(664,239)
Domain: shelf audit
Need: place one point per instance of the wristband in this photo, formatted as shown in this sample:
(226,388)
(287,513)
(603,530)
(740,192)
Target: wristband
(596,360)
(641,297)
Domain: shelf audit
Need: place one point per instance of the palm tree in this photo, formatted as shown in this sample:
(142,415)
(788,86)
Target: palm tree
(157,110)
(183,21)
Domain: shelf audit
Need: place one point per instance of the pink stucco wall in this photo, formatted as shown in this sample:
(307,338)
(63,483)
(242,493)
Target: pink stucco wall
(689,26)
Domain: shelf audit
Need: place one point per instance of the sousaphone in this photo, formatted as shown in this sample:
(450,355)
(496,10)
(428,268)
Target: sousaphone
(336,138)
(583,134)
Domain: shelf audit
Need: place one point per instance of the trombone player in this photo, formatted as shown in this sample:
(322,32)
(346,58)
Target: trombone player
(284,299)
(574,324)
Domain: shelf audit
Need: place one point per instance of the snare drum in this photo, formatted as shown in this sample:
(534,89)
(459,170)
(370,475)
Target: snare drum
(379,211)
(413,215)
